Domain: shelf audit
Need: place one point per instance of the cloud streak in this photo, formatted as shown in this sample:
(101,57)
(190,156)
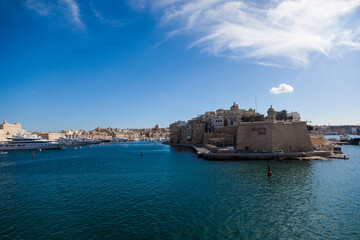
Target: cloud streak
(103,20)
(73,12)
(283,88)
(40,7)
(281,32)
(61,8)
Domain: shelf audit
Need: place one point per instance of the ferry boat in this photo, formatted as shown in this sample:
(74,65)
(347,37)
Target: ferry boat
(28,142)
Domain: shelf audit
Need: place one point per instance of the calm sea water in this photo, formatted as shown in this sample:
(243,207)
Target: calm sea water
(111,192)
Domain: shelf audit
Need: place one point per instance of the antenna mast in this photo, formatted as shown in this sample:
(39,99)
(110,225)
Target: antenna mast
(255,104)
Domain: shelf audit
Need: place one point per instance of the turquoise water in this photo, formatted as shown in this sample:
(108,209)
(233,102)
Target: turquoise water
(111,192)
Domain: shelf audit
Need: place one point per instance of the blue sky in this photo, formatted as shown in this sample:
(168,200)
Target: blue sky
(131,64)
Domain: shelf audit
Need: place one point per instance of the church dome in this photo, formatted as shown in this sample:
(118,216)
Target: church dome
(271,110)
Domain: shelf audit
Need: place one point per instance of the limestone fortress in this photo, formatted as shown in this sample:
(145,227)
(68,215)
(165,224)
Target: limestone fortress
(272,135)
(233,128)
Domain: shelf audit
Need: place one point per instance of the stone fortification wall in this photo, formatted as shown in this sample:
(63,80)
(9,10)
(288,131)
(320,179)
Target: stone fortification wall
(291,137)
(254,136)
(228,133)
(272,136)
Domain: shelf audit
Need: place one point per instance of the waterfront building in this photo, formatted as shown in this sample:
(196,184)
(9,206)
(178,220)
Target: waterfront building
(225,136)
(73,133)
(157,132)
(217,128)
(51,136)
(318,142)
(354,130)
(197,128)
(178,132)
(8,130)
(233,116)
(272,135)
(208,115)
(295,116)
(111,133)
(217,122)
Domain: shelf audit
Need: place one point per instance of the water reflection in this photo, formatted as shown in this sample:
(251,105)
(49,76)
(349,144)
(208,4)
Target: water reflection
(180,149)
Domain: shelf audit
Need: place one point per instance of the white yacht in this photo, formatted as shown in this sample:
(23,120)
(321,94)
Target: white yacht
(28,142)
(77,141)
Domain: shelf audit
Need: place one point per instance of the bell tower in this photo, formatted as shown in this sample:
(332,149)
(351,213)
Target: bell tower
(271,113)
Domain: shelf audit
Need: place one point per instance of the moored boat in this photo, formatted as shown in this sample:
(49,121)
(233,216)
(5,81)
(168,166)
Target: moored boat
(27,142)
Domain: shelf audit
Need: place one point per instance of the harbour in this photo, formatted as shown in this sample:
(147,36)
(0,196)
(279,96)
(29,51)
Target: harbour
(178,119)
(111,191)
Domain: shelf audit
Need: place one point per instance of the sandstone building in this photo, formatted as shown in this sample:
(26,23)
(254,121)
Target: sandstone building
(217,128)
(228,128)
(294,115)
(8,129)
(51,136)
(272,135)
(178,132)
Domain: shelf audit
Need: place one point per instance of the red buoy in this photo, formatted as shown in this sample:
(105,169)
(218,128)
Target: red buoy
(33,154)
(269,171)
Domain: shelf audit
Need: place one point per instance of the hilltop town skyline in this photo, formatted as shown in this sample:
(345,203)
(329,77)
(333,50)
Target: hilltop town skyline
(251,110)
(250,115)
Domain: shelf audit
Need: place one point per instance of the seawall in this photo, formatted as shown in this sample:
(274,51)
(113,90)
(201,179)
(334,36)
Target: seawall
(208,155)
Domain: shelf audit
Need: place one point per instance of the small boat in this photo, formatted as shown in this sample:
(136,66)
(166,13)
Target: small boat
(345,138)
(3,153)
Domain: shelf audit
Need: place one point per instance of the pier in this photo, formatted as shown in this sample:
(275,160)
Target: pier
(200,150)
(267,156)
(207,154)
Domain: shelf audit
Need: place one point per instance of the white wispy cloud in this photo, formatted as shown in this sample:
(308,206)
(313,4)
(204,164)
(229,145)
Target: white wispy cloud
(104,20)
(281,32)
(73,12)
(268,64)
(283,88)
(61,8)
(41,7)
